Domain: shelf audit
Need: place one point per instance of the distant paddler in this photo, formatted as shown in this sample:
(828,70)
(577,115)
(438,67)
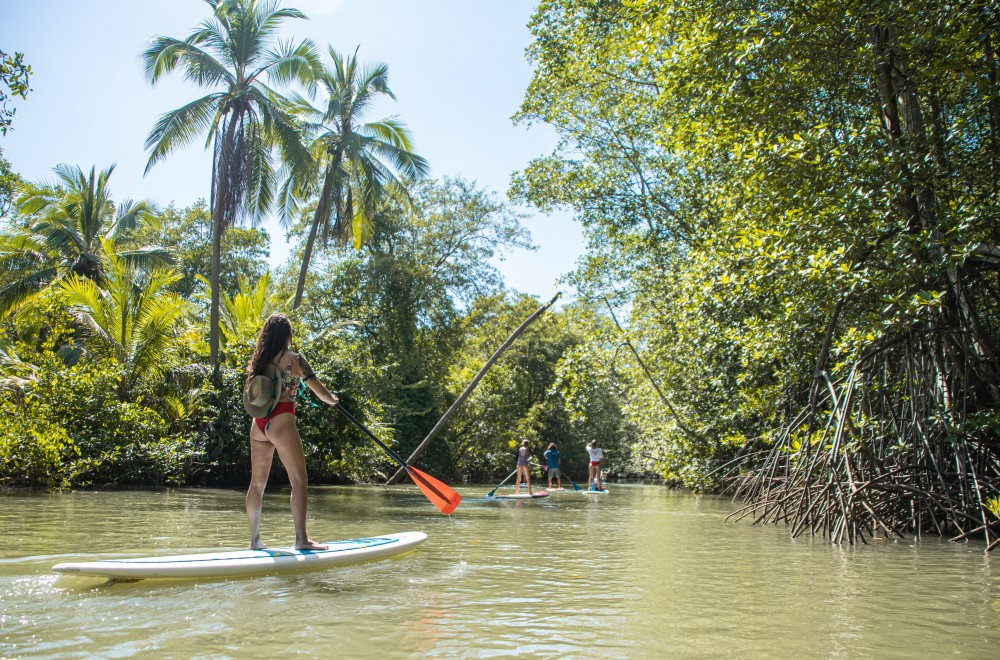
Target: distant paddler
(552,465)
(523,460)
(596,456)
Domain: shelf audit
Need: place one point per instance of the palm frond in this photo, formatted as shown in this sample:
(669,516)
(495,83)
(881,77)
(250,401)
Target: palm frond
(287,199)
(23,288)
(262,180)
(286,134)
(129,217)
(179,127)
(131,319)
(148,257)
(61,237)
(389,141)
(275,16)
(165,54)
(34,198)
(292,63)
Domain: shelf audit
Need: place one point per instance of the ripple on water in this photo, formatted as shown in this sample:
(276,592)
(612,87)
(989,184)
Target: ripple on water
(642,572)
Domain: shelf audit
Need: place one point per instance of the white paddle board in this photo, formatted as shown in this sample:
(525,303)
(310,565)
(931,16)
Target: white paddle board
(595,492)
(523,496)
(250,562)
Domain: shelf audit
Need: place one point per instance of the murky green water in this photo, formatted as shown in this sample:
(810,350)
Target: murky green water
(643,572)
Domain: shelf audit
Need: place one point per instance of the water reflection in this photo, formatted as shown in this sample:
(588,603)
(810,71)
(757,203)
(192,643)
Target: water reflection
(641,572)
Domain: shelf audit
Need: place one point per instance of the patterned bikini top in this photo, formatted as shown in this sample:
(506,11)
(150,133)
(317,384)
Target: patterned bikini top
(291,383)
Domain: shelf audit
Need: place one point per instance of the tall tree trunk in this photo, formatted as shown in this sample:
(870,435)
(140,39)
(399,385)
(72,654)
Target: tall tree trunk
(321,211)
(215,279)
(220,192)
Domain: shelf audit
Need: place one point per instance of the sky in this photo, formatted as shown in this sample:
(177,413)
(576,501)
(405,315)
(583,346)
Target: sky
(457,68)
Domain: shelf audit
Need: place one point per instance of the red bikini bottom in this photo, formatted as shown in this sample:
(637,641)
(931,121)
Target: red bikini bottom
(282,407)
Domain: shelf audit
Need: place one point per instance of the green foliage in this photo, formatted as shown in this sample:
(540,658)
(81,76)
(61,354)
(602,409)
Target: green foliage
(34,451)
(187,233)
(9,183)
(73,430)
(796,208)
(63,230)
(14,75)
(993,506)
(244,314)
(131,319)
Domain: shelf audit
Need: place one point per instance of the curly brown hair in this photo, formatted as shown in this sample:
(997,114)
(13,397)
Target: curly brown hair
(273,339)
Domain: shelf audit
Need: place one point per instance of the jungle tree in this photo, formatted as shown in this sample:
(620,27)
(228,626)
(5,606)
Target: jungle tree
(355,162)
(798,205)
(62,232)
(236,53)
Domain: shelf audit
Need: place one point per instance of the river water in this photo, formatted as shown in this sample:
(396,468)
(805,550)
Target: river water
(640,573)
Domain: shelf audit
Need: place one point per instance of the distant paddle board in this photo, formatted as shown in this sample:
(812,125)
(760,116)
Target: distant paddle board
(250,562)
(522,496)
(595,492)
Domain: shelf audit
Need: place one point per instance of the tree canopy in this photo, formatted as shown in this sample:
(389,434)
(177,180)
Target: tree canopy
(797,207)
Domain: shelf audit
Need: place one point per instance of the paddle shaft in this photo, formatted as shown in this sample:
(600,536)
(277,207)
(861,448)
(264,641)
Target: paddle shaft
(471,386)
(572,482)
(371,435)
(419,478)
(490,494)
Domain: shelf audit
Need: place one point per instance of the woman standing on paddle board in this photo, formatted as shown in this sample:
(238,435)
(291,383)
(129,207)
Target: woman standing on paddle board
(596,456)
(273,376)
(523,456)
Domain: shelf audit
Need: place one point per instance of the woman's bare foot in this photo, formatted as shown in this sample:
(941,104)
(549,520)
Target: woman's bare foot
(258,546)
(310,545)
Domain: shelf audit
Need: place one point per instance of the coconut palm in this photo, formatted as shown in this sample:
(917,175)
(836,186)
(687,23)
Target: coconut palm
(68,222)
(354,162)
(233,53)
(131,318)
(244,313)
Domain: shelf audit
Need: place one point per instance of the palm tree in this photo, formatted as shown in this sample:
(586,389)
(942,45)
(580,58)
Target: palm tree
(233,52)
(131,318)
(243,314)
(355,162)
(69,222)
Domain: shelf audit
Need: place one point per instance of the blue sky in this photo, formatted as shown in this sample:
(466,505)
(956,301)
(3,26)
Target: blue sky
(456,66)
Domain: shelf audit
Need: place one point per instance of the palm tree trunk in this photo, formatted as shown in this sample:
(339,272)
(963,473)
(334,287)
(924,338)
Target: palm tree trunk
(321,210)
(310,242)
(213,335)
(220,192)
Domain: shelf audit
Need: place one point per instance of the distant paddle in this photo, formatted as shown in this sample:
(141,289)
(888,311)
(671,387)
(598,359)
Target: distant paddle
(490,494)
(575,487)
(439,493)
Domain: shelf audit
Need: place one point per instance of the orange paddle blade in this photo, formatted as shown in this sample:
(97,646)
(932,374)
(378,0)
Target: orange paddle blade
(440,494)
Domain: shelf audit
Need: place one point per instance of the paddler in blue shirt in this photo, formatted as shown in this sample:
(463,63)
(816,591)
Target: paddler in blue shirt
(552,465)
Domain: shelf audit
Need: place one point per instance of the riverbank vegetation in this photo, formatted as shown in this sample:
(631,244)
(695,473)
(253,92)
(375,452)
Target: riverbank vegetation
(790,289)
(796,207)
(127,328)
